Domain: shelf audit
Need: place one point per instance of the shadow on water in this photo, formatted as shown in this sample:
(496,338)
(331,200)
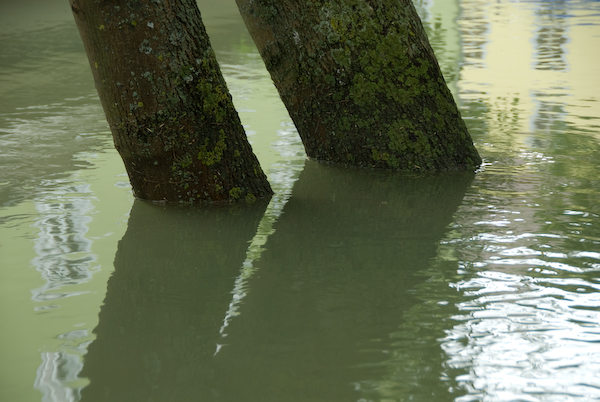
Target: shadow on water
(174,270)
(329,289)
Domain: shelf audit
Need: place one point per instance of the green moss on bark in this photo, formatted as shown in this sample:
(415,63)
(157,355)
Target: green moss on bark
(167,104)
(361,83)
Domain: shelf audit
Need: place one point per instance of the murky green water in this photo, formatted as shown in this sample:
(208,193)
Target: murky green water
(348,285)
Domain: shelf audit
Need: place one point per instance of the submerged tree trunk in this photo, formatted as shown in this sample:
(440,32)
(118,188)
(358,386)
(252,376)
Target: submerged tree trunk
(361,83)
(166,102)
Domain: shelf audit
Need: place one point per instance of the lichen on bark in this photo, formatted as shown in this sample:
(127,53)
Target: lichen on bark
(361,83)
(167,103)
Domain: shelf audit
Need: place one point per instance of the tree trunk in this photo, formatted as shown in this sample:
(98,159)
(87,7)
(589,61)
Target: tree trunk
(166,102)
(361,83)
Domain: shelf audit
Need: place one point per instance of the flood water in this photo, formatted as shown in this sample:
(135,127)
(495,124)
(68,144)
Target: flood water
(348,285)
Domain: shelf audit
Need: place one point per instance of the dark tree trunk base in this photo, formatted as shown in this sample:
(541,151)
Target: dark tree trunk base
(167,104)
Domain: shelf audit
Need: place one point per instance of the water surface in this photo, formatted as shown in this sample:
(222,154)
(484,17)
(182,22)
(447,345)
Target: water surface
(347,285)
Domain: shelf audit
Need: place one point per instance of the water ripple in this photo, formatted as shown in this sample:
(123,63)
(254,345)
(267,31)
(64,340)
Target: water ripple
(519,336)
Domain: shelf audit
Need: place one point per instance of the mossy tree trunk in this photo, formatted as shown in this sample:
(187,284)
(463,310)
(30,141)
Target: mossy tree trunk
(166,102)
(361,83)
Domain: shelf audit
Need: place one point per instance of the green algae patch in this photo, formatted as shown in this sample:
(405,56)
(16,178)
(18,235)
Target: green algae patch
(213,156)
(235,193)
(250,198)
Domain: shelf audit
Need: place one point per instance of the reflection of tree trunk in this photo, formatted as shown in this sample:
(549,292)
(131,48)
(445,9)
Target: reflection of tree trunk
(361,83)
(333,282)
(331,286)
(165,303)
(167,104)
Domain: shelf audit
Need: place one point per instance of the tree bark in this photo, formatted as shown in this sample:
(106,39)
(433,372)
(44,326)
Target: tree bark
(167,104)
(361,83)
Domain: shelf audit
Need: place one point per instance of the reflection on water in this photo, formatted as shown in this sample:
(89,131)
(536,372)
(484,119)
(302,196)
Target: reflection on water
(64,253)
(527,322)
(551,36)
(159,325)
(56,370)
(348,285)
(528,244)
(320,306)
